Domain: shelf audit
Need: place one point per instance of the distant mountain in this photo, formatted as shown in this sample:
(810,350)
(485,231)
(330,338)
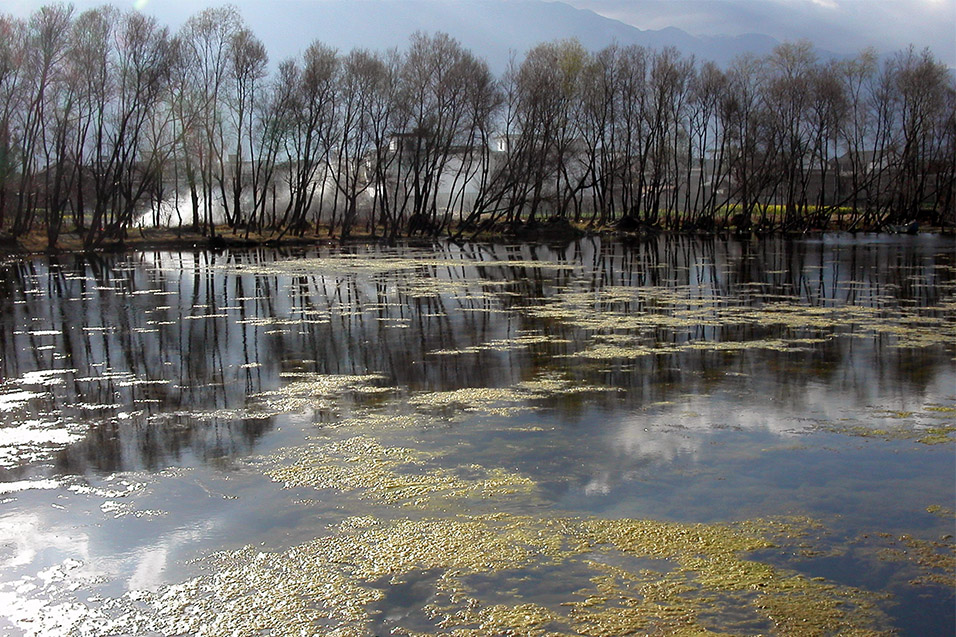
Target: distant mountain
(842,26)
(496,29)
(492,29)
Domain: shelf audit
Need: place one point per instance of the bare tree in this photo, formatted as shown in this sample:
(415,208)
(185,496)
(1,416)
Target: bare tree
(46,44)
(789,88)
(827,112)
(548,83)
(707,147)
(13,42)
(271,124)
(437,84)
(598,129)
(858,163)
(921,85)
(385,118)
(90,57)
(123,163)
(663,160)
(632,80)
(354,130)
(204,47)
(97,109)
(751,146)
(311,88)
(247,66)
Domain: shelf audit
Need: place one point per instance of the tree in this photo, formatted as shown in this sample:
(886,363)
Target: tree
(663,161)
(311,90)
(858,130)
(921,85)
(597,125)
(751,145)
(247,69)
(439,96)
(355,114)
(788,94)
(268,130)
(123,162)
(45,45)
(548,84)
(707,147)
(204,46)
(632,83)
(12,83)
(90,57)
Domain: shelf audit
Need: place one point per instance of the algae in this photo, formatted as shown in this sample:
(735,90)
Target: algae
(390,475)
(932,562)
(706,585)
(316,391)
(441,523)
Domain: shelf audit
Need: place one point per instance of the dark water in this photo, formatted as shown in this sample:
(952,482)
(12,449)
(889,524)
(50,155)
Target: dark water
(148,400)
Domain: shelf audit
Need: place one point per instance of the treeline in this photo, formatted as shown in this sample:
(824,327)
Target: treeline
(107,119)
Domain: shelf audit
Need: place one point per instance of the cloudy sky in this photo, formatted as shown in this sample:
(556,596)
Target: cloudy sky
(843,26)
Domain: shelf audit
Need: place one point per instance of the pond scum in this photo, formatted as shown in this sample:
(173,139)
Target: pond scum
(677,310)
(425,548)
(471,567)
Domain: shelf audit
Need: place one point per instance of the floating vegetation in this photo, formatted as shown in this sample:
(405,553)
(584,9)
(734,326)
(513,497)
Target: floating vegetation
(31,440)
(496,401)
(497,485)
(937,435)
(927,435)
(933,562)
(122,509)
(612,351)
(10,400)
(687,579)
(274,321)
(617,311)
(199,317)
(502,401)
(378,264)
(45,377)
(550,385)
(504,344)
(372,421)
(433,287)
(941,511)
(335,264)
(390,475)
(25,485)
(314,391)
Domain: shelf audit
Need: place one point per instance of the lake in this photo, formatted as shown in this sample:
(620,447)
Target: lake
(663,437)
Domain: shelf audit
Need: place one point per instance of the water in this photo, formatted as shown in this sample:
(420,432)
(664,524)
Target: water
(595,438)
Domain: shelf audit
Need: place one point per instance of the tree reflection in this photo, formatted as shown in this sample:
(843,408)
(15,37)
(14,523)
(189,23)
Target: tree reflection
(163,345)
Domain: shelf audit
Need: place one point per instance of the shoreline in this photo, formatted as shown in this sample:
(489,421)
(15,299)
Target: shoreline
(186,239)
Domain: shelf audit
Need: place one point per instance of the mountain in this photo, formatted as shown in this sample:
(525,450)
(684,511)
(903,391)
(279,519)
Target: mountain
(496,29)
(492,29)
(842,26)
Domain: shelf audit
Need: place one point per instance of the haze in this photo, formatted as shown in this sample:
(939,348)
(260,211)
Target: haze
(838,26)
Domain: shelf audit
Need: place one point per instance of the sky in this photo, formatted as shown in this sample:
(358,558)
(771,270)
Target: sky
(844,26)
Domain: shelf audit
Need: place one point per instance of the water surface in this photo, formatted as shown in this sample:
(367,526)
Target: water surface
(597,438)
